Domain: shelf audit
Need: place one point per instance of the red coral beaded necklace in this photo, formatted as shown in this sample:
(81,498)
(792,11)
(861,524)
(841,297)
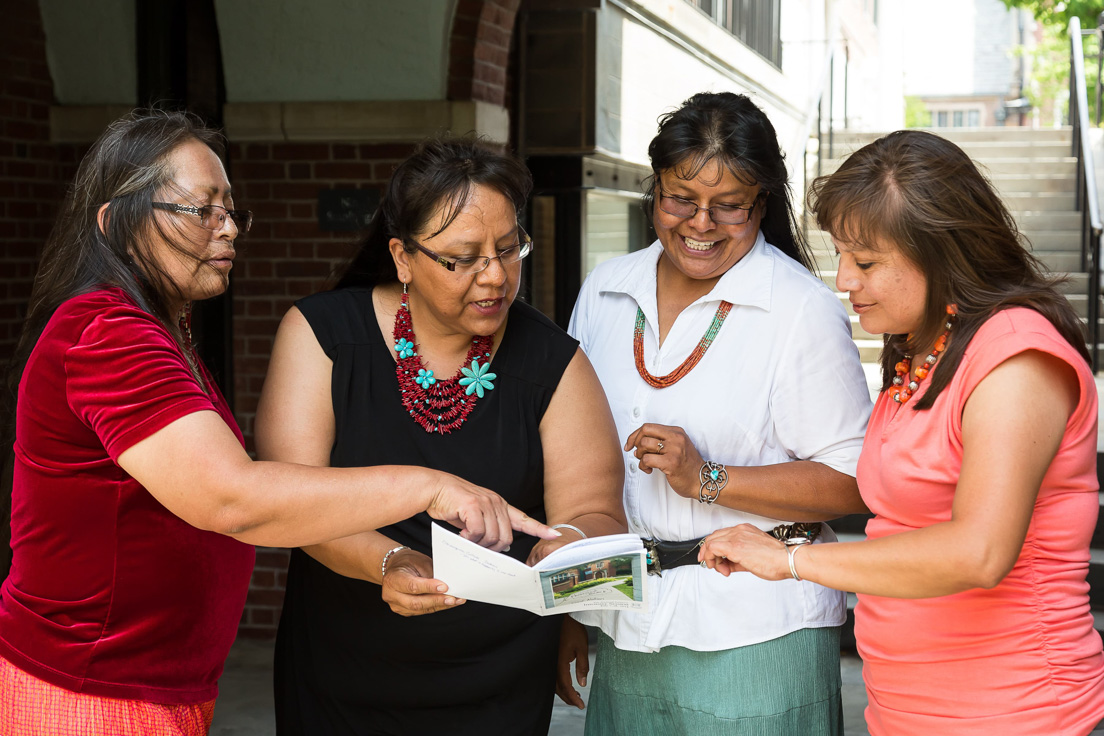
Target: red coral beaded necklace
(901,392)
(439,405)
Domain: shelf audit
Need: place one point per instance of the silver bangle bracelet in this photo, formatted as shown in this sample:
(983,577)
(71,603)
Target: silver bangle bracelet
(572,527)
(792,550)
(387,557)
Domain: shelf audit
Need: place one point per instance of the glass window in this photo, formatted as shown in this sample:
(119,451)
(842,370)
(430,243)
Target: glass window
(755,22)
(615,225)
(958,118)
(973,118)
(941,119)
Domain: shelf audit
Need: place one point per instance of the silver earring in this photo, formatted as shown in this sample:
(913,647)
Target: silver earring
(404,288)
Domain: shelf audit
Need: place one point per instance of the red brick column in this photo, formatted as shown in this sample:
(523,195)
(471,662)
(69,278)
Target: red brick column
(29,178)
(284,257)
(479,50)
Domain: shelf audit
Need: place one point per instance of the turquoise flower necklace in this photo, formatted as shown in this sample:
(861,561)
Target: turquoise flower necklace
(439,404)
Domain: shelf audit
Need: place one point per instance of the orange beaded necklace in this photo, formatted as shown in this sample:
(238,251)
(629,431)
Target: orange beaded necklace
(691,360)
(902,392)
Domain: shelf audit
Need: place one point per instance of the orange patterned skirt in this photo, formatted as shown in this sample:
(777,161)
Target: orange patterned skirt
(31,707)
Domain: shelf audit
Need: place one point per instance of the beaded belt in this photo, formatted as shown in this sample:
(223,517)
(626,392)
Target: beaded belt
(667,555)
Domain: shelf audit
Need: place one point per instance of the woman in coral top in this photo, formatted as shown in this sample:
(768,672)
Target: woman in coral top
(979,461)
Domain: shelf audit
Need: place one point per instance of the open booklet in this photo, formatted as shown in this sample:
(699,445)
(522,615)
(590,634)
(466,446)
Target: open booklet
(602,572)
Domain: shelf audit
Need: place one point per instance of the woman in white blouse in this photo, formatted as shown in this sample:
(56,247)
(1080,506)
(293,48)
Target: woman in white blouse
(740,398)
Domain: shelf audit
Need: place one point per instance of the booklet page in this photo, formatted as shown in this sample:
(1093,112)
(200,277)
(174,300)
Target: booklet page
(603,572)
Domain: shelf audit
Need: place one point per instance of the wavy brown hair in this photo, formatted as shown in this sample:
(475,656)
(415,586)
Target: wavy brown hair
(921,194)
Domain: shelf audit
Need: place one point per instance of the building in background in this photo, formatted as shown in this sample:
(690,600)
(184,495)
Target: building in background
(320,100)
(969,63)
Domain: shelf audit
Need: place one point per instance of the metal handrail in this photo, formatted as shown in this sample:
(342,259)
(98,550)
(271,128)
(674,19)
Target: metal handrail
(814,114)
(1086,199)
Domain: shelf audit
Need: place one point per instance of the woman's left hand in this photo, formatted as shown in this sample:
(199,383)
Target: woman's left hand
(670,451)
(410,589)
(746,548)
(545,547)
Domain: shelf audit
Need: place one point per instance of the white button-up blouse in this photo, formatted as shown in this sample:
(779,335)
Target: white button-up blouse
(781,382)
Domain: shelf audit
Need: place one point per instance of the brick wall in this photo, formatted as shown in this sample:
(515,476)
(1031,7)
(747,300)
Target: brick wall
(479,50)
(284,257)
(29,178)
(287,256)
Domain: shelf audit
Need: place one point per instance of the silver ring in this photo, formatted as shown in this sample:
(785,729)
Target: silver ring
(661,446)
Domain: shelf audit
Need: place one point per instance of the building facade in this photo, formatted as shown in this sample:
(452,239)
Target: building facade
(320,100)
(968,62)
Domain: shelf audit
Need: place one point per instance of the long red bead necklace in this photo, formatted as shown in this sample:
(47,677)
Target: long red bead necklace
(439,404)
(901,391)
(692,360)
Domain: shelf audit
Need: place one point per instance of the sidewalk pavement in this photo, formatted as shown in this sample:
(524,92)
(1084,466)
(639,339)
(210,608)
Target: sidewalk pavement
(245,699)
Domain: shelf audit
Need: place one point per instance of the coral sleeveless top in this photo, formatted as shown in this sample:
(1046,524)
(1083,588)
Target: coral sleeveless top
(1022,658)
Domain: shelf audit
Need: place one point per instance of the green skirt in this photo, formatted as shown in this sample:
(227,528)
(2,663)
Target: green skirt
(785,687)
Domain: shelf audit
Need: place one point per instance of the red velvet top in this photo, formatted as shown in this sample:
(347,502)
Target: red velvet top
(109,593)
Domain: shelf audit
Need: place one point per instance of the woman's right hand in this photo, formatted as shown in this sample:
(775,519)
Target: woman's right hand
(574,647)
(410,589)
(483,515)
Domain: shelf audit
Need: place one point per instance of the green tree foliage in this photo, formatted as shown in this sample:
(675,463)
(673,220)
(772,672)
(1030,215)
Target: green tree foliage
(1059,12)
(1050,58)
(916,113)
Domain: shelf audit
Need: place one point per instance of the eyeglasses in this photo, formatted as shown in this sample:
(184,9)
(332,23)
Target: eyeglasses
(722,214)
(470,265)
(211,216)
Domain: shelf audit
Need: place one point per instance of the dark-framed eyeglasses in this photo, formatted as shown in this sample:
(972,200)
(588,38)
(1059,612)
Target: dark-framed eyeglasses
(211,216)
(470,265)
(722,214)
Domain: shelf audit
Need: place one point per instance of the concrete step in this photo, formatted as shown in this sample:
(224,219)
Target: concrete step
(1044,240)
(1039,201)
(984,152)
(1042,165)
(1034,182)
(1034,221)
(1059,261)
(969,135)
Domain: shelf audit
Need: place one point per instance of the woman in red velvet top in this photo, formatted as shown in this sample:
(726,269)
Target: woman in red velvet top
(134,503)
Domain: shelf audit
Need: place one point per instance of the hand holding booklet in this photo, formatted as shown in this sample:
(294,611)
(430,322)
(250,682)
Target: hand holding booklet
(601,572)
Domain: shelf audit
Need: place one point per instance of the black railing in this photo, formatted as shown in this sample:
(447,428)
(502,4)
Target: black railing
(1086,199)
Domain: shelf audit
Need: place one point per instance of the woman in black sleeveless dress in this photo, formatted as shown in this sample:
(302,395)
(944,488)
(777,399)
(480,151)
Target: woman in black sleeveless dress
(351,384)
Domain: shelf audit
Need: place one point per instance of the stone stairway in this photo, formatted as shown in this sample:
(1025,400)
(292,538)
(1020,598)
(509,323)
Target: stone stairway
(1035,173)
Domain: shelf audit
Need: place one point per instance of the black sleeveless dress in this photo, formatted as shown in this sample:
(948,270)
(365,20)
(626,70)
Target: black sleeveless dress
(345,663)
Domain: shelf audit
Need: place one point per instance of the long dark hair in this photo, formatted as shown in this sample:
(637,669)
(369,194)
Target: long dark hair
(127,168)
(440,173)
(732,130)
(922,194)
